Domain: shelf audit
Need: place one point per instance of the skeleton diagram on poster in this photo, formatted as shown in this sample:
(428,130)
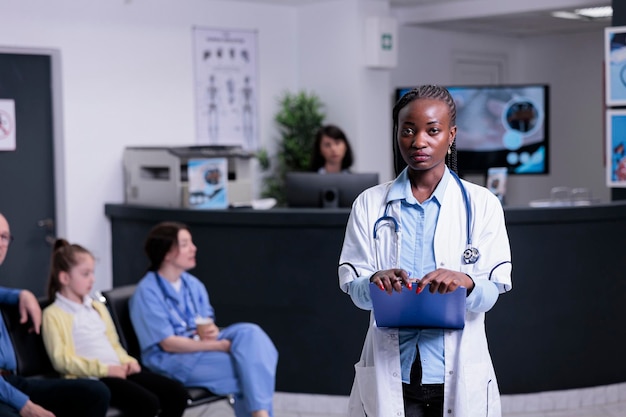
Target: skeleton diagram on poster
(7,125)
(225,82)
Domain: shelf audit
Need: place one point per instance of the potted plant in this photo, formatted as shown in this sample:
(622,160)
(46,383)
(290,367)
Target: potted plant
(299,117)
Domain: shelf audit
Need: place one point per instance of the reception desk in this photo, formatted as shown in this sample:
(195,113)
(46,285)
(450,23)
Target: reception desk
(562,325)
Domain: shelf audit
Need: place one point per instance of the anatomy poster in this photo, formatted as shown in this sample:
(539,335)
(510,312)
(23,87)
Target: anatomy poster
(226,87)
(7,125)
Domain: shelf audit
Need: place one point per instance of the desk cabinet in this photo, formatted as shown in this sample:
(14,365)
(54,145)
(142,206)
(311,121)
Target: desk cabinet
(562,326)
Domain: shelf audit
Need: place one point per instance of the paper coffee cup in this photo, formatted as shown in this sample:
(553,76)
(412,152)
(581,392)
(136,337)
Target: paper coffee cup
(202,323)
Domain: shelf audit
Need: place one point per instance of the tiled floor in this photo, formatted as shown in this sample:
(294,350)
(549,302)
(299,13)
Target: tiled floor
(605,401)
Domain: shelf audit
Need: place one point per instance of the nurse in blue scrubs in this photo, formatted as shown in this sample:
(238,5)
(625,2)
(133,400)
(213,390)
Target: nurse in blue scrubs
(239,359)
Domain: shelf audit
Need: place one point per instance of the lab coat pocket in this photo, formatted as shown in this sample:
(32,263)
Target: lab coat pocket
(479,389)
(365,381)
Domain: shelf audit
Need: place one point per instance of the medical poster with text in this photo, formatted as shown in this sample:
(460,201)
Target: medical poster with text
(226,87)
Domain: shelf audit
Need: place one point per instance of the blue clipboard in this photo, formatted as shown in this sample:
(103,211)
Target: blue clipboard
(423,310)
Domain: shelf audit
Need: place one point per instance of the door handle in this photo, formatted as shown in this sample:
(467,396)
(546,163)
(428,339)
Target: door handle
(48,226)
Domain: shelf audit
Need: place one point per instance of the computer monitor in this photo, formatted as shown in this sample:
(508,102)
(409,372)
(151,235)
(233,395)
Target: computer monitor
(313,190)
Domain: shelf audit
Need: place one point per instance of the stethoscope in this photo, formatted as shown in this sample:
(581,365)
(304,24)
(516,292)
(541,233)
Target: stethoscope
(470,254)
(182,317)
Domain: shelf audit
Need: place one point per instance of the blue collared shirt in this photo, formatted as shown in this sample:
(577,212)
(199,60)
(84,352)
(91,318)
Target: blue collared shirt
(418,222)
(8,393)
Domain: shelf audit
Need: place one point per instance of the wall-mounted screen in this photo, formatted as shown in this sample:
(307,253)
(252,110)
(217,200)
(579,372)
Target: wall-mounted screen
(501,126)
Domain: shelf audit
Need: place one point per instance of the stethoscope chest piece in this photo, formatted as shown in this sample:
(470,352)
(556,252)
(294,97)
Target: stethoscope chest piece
(470,255)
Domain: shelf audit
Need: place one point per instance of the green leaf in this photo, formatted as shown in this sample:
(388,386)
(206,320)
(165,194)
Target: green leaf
(299,117)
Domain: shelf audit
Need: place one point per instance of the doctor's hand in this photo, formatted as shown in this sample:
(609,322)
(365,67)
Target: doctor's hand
(222,345)
(445,281)
(392,279)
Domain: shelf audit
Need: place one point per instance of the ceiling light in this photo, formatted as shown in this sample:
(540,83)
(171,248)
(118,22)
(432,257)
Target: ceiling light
(566,15)
(595,12)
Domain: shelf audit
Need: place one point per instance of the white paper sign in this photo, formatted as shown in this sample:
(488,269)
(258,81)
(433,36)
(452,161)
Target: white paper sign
(226,85)
(7,125)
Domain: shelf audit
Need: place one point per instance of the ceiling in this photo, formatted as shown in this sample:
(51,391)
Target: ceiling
(515,18)
(532,22)
(520,25)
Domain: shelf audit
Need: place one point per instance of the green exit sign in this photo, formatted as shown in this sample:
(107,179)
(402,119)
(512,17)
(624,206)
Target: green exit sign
(386,42)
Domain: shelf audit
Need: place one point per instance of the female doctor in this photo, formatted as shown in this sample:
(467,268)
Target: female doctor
(448,233)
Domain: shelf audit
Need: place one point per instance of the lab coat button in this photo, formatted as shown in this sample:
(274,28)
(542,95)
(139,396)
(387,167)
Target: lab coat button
(451,372)
(449,411)
(395,374)
(442,264)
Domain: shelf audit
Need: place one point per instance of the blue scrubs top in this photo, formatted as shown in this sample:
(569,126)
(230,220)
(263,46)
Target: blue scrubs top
(248,370)
(158,311)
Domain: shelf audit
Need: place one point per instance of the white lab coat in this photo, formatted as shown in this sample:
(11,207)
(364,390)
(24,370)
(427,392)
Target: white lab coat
(470,387)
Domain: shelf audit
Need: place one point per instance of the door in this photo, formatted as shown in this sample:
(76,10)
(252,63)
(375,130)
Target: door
(27,191)
(476,68)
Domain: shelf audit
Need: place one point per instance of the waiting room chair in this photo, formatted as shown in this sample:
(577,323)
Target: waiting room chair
(30,352)
(116,300)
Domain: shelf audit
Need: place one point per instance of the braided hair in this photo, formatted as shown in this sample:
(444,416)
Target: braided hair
(434,92)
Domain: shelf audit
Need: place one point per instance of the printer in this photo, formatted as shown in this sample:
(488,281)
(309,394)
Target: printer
(157,176)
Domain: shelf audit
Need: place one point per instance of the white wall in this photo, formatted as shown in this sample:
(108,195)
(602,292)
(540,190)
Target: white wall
(127,75)
(427,55)
(571,64)
(332,63)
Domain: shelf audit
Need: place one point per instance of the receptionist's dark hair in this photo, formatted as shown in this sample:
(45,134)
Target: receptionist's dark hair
(161,239)
(332,131)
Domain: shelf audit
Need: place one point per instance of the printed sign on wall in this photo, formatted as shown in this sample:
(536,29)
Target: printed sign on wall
(7,125)
(616,148)
(226,86)
(208,183)
(615,65)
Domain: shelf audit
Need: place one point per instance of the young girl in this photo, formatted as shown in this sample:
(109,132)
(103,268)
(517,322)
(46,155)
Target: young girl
(82,342)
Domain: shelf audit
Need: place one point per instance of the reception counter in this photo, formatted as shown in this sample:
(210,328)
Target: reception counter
(562,325)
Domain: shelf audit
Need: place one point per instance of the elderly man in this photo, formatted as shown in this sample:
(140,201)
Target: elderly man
(39,397)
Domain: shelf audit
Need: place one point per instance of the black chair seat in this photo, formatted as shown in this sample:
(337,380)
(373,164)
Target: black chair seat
(30,353)
(116,300)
